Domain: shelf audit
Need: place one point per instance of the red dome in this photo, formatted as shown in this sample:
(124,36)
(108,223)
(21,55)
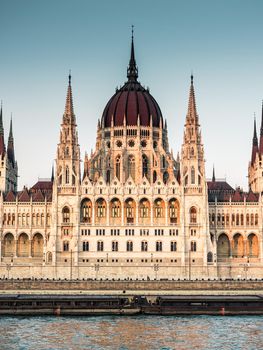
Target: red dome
(132,100)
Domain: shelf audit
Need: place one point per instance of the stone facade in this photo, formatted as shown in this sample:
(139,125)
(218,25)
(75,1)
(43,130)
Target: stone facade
(136,211)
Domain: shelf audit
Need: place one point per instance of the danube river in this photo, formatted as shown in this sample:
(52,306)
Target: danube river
(138,333)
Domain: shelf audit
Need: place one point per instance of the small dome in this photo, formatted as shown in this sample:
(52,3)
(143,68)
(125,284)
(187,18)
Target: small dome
(130,101)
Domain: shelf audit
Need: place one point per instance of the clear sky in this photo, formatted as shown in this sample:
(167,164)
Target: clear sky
(220,41)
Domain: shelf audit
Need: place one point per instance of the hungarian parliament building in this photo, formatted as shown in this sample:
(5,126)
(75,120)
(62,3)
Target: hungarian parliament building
(135,211)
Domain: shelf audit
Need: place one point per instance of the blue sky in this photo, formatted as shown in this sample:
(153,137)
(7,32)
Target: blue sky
(220,41)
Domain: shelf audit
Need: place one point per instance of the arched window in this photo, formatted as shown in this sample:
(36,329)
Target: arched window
(192,175)
(174,211)
(86,211)
(165,177)
(115,208)
(193,215)
(252,220)
(144,208)
(131,166)
(108,176)
(67,175)
(158,208)
(163,162)
(144,166)
(154,176)
(256,219)
(129,246)
(101,208)
(209,257)
(65,215)
(118,167)
(186,180)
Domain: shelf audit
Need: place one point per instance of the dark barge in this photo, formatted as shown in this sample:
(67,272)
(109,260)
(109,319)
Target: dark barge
(79,305)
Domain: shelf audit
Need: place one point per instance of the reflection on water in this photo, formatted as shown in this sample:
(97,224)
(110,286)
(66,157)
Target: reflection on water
(128,333)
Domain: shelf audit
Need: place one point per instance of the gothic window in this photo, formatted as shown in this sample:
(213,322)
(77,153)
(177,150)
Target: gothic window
(131,166)
(85,246)
(192,175)
(192,152)
(66,151)
(163,162)
(118,167)
(174,211)
(209,257)
(67,175)
(158,208)
(242,219)
(65,215)
(144,166)
(144,208)
(101,208)
(115,208)
(86,211)
(173,246)
(237,219)
(114,246)
(252,220)
(165,177)
(193,246)
(129,209)
(193,215)
(247,219)
(186,180)
(154,176)
(144,246)
(129,246)
(159,246)
(108,176)
(100,246)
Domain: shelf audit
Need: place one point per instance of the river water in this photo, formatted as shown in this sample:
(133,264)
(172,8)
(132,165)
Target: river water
(128,333)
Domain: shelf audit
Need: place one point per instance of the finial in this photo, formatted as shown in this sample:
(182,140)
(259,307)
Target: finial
(69,77)
(213,177)
(192,77)
(132,30)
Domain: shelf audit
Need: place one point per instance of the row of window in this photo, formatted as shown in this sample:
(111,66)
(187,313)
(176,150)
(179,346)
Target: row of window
(26,219)
(131,232)
(129,246)
(235,219)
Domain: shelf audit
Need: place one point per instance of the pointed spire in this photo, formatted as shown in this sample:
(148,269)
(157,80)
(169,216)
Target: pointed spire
(132,71)
(2,141)
(10,145)
(69,111)
(261,132)
(254,143)
(192,112)
(213,177)
(52,174)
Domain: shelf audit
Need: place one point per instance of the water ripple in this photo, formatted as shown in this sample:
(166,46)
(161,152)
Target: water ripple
(131,333)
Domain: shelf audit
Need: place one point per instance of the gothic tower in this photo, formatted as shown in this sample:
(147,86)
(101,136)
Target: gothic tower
(197,237)
(8,165)
(66,187)
(255,167)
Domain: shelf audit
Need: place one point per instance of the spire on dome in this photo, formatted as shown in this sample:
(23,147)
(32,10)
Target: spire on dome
(2,141)
(69,111)
(254,143)
(10,146)
(132,70)
(213,177)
